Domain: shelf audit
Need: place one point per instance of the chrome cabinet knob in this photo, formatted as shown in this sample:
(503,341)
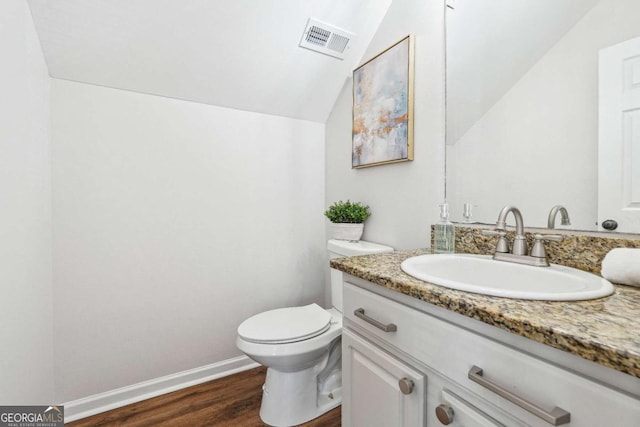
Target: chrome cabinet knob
(406,385)
(444,414)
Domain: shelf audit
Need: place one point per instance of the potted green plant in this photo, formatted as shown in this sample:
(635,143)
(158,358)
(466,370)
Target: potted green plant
(347,220)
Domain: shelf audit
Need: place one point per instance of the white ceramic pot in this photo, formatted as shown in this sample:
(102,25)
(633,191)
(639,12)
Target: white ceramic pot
(345,231)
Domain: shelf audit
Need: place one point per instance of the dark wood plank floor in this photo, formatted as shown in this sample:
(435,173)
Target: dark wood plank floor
(228,401)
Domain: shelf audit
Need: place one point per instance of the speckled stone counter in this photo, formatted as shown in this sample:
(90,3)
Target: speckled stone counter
(605,330)
(581,250)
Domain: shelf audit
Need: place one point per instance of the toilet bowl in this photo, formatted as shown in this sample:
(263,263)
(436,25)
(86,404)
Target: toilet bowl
(300,346)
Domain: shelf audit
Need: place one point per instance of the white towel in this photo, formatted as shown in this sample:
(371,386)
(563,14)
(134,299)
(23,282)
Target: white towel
(622,265)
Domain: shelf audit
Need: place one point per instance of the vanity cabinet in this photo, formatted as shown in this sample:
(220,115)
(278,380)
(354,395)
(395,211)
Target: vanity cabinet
(378,389)
(460,376)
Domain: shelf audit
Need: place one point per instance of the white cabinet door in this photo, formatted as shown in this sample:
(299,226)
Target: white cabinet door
(464,414)
(378,389)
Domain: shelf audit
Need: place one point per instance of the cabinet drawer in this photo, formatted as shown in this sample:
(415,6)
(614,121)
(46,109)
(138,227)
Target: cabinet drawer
(454,352)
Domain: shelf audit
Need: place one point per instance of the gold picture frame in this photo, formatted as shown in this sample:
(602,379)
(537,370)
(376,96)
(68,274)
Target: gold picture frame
(382,131)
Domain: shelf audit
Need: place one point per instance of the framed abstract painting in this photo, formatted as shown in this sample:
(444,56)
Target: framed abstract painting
(383,107)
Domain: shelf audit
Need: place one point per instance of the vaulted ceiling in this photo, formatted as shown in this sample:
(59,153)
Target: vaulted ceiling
(491,44)
(240,54)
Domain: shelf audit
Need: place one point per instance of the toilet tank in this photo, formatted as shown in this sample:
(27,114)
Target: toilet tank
(342,248)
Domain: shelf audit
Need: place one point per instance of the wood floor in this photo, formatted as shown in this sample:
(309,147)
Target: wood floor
(229,401)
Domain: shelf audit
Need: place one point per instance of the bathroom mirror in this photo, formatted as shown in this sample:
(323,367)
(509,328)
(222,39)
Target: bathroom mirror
(523,106)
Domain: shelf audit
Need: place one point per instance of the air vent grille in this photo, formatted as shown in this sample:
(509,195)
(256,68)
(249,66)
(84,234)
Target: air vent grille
(338,43)
(318,36)
(326,39)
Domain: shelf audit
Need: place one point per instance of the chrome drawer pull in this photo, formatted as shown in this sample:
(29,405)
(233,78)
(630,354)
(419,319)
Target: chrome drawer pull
(387,328)
(556,417)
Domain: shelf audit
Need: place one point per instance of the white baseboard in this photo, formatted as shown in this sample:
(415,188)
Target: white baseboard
(117,398)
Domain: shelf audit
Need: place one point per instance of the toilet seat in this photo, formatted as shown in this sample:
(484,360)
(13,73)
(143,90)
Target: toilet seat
(285,325)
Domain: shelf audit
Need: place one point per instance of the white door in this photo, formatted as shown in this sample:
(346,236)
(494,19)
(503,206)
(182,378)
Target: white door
(619,137)
(377,389)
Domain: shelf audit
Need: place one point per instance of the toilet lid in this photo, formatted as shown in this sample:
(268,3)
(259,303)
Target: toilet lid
(285,325)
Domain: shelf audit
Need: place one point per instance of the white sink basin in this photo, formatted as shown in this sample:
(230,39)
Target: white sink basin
(483,275)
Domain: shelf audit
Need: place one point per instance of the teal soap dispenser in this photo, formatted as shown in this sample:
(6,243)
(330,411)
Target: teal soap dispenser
(444,233)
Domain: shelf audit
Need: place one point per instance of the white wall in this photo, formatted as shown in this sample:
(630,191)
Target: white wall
(403,197)
(173,222)
(537,147)
(25,214)
(485,59)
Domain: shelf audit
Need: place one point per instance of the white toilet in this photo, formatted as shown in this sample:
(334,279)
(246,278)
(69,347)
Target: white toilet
(300,346)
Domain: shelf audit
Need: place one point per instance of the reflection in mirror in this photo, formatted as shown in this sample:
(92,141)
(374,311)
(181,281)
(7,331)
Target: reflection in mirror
(523,110)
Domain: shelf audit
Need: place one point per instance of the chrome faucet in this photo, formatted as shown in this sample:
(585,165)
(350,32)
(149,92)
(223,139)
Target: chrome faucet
(519,251)
(564,216)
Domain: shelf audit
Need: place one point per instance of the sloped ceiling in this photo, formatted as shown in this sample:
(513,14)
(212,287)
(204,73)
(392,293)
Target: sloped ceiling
(491,44)
(240,54)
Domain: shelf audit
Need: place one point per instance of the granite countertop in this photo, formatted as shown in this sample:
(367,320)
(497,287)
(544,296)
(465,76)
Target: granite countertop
(604,330)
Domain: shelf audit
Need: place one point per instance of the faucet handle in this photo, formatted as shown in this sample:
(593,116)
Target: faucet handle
(538,250)
(549,237)
(502,245)
(496,232)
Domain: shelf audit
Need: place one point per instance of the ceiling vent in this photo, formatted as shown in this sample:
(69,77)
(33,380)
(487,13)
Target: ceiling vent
(327,39)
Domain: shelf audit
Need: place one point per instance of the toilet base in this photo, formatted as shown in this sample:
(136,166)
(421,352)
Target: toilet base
(292,398)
